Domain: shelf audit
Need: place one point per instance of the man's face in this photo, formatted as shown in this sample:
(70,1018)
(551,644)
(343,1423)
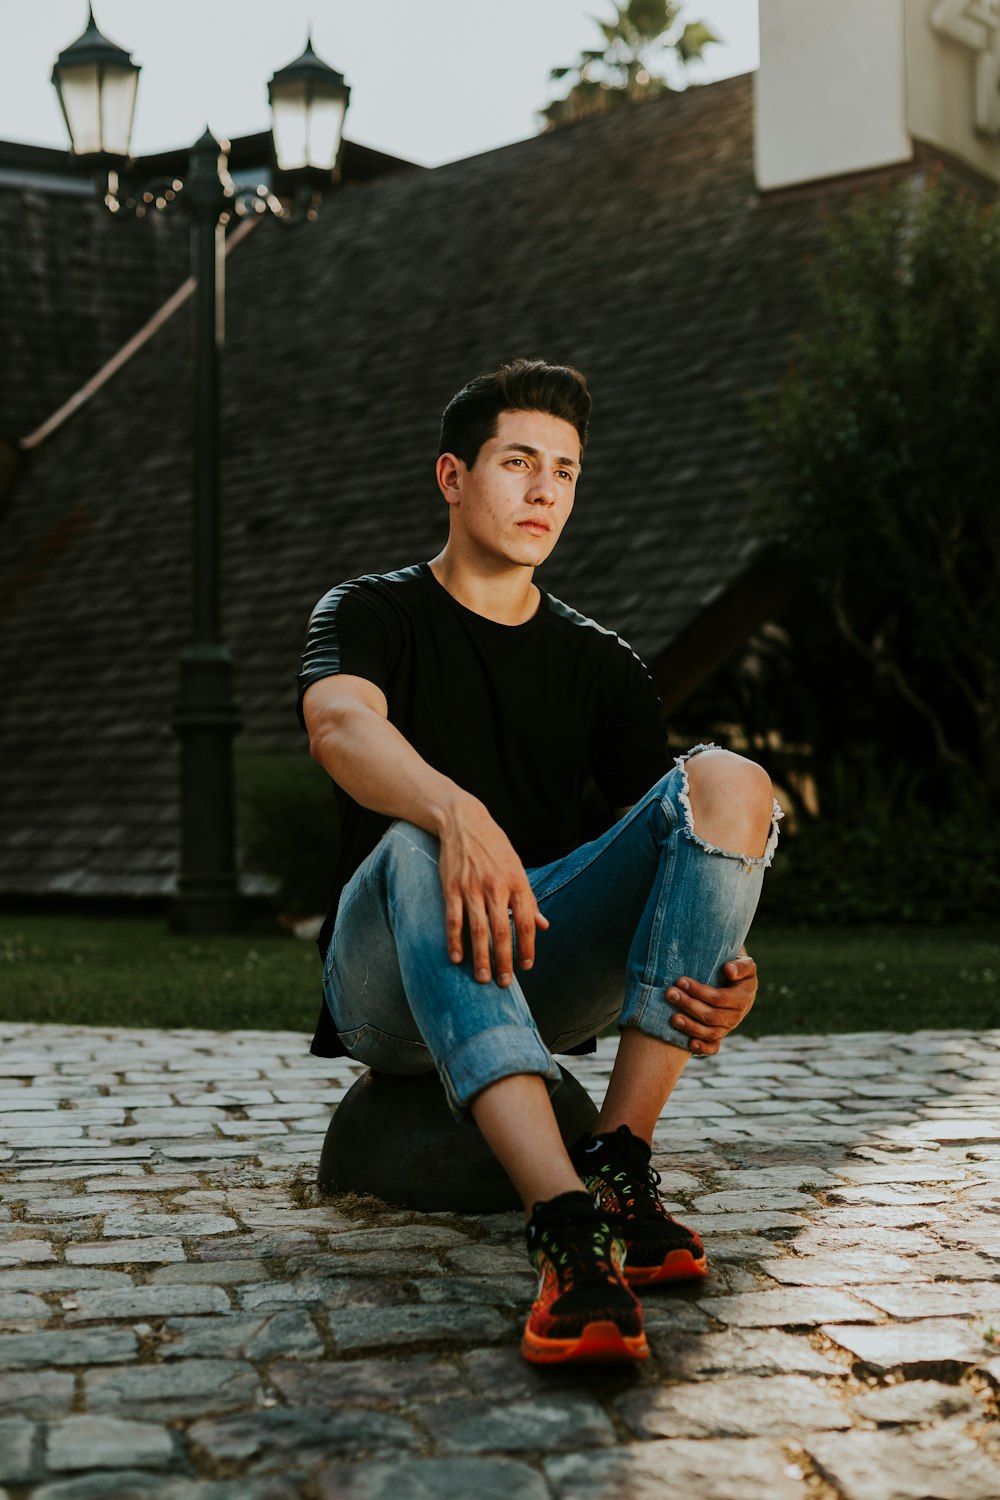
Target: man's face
(515,501)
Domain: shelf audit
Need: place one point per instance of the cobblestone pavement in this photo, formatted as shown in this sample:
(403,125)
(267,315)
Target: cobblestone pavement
(182,1317)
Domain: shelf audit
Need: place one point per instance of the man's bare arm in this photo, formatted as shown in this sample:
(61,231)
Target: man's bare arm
(351,738)
(482,878)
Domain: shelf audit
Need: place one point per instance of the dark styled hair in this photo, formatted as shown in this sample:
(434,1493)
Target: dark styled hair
(470,418)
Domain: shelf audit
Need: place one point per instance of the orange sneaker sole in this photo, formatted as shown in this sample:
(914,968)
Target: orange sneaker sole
(680,1265)
(599,1342)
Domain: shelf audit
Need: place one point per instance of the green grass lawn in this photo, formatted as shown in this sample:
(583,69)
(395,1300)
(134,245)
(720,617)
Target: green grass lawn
(133,972)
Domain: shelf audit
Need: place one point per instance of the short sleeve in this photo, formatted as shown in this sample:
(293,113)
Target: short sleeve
(351,630)
(630,752)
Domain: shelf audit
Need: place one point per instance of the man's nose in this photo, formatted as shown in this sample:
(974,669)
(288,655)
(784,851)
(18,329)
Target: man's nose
(543,490)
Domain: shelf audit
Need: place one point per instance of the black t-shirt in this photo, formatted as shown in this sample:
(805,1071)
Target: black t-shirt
(521,716)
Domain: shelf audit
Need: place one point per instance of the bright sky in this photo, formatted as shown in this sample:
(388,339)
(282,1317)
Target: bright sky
(430,81)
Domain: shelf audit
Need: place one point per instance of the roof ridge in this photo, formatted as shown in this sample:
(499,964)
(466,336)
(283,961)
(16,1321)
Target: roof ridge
(669,98)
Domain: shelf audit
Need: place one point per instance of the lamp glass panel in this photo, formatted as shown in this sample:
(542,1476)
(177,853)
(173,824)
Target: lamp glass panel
(118,108)
(81,96)
(288,124)
(326,121)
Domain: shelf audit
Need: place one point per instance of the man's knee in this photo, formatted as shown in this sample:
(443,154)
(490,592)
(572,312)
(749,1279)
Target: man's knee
(732,800)
(724,774)
(408,854)
(405,841)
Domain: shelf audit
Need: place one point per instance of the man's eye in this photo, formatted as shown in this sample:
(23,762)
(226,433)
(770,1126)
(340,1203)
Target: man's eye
(565,473)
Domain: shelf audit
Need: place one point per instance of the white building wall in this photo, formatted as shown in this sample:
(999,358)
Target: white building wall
(851,86)
(953,72)
(830,93)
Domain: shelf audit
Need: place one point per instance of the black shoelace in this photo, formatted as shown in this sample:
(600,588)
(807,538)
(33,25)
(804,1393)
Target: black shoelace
(583,1250)
(638,1179)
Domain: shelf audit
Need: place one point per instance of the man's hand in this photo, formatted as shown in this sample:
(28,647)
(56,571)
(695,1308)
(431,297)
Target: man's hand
(483,879)
(709,1014)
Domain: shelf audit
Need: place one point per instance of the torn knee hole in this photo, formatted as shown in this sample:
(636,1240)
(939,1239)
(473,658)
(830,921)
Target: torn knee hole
(731,778)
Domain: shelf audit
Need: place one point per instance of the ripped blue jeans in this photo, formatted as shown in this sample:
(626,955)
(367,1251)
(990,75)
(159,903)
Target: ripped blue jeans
(630,913)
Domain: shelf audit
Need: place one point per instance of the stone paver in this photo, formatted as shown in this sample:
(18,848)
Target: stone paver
(945,1463)
(35,1393)
(442,1478)
(916,1401)
(92,1442)
(782,1405)
(914,1348)
(719,1469)
(268,1441)
(182,1317)
(557,1423)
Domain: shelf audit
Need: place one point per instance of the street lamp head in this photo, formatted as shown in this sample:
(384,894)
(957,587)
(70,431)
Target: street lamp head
(308,103)
(96,81)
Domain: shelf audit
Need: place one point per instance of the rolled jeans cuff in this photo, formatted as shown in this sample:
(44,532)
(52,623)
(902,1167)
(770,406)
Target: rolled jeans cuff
(649,1011)
(499,1052)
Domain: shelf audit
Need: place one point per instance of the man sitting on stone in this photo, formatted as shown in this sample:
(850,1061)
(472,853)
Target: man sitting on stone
(460,711)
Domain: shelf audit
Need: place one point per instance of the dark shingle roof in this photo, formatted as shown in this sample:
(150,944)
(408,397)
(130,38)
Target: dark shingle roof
(634,246)
(74,286)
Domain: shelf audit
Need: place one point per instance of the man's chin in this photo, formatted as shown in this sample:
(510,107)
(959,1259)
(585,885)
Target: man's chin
(537,547)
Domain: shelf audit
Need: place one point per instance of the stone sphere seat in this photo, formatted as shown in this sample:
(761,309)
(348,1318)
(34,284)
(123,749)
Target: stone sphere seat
(396,1138)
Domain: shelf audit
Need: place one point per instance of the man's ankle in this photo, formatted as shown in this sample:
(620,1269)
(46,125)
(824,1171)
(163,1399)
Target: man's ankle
(606,1132)
(576,1198)
(566,1198)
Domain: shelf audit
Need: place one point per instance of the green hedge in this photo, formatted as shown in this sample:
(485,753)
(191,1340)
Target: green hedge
(287,823)
(920,870)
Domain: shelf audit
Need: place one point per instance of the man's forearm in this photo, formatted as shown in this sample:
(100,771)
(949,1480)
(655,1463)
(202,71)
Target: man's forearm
(379,768)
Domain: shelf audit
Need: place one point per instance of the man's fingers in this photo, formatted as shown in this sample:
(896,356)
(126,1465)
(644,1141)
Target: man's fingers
(691,1028)
(526,916)
(453,914)
(521,914)
(479,933)
(703,1002)
(700,1037)
(502,949)
(485,925)
(741,968)
(730,996)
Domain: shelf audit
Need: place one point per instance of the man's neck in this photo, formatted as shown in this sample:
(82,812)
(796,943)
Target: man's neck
(508,597)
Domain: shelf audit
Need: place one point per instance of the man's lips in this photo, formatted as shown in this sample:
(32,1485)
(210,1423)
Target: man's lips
(534,525)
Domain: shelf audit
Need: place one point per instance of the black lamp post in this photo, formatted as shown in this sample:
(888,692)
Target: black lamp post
(97,83)
(206,715)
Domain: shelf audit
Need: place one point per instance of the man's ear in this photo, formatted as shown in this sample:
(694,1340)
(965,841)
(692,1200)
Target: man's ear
(450,470)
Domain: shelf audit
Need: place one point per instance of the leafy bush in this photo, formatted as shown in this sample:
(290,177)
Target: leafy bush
(884,448)
(287,821)
(922,870)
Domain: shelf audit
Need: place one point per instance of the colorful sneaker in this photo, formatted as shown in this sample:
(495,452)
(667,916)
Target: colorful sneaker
(615,1168)
(584,1310)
